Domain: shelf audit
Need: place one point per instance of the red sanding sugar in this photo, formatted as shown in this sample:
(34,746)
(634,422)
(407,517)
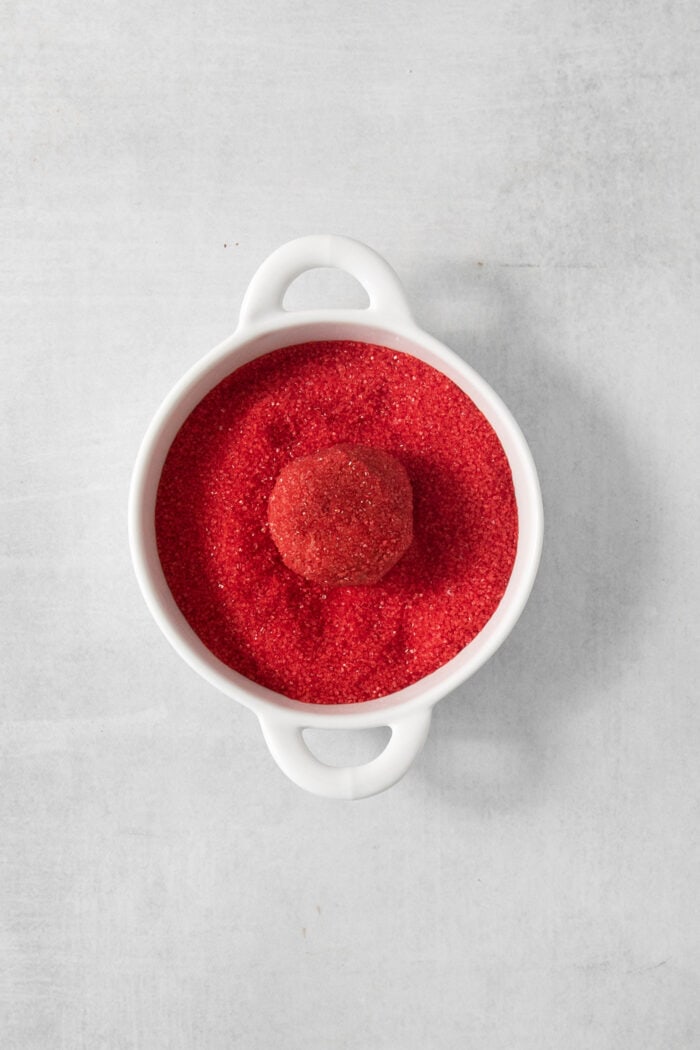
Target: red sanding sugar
(342,515)
(308,640)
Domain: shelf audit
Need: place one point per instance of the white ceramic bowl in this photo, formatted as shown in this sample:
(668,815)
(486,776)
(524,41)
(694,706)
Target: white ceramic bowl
(264,325)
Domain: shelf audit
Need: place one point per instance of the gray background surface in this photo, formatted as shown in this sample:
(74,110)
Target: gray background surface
(530,169)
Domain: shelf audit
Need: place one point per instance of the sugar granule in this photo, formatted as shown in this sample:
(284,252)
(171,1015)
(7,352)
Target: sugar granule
(305,639)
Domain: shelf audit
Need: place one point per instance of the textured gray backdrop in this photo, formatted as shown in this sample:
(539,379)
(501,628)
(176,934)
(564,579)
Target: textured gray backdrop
(531,171)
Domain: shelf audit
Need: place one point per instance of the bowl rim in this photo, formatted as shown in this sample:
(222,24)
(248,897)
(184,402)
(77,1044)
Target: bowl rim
(250,340)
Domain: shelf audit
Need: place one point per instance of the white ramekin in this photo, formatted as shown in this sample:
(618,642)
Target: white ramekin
(265,325)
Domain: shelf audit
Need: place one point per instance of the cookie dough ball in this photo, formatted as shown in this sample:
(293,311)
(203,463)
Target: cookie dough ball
(343,515)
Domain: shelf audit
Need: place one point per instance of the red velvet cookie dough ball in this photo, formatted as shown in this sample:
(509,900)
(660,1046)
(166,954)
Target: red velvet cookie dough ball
(343,515)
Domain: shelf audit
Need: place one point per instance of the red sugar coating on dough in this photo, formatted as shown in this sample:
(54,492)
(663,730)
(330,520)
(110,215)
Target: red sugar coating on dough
(347,643)
(343,515)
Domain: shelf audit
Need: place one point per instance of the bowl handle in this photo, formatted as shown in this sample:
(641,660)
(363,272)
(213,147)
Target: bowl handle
(265,293)
(289,750)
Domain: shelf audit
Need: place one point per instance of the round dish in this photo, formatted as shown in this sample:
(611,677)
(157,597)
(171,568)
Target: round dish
(264,326)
